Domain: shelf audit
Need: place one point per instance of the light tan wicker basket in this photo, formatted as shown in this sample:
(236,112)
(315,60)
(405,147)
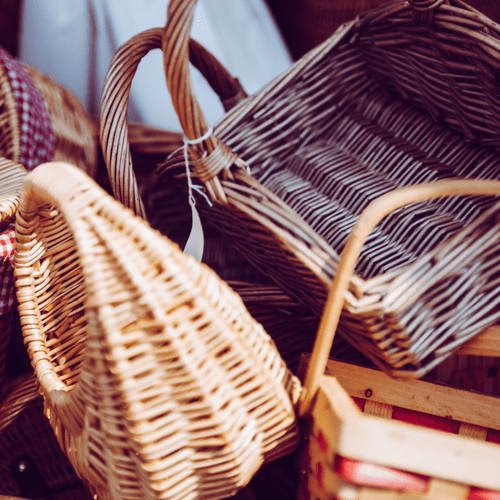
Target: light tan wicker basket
(156,380)
(406,93)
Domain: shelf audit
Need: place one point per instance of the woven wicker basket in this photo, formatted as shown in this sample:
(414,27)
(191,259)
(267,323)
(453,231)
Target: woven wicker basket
(157,382)
(75,134)
(406,93)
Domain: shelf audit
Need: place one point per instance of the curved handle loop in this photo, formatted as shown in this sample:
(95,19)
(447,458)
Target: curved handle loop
(367,221)
(175,60)
(17,401)
(114,104)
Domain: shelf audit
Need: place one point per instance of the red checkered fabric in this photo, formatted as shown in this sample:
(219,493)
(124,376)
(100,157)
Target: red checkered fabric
(37,146)
(37,133)
(7,246)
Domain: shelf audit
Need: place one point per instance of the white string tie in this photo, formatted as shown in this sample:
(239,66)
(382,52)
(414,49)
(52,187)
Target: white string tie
(191,186)
(196,241)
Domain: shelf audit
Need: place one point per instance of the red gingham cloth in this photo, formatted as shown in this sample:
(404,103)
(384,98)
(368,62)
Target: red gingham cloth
(37,146)
(37,133)
(7,241)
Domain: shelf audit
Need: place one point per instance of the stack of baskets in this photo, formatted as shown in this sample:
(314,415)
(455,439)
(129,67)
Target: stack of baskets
(156,380)
(39,121)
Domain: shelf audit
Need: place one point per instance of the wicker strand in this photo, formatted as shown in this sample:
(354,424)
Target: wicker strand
(17,401)
(426,5)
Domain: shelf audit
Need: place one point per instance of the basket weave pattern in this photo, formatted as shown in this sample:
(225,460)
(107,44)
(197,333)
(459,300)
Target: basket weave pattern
(149,364)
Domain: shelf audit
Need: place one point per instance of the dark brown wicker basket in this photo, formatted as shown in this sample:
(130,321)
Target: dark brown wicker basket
(407,93)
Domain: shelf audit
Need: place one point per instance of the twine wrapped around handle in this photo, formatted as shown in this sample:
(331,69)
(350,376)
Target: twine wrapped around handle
(175,47)
(366,222)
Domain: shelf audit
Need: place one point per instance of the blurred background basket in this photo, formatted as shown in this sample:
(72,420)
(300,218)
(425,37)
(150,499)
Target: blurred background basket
(41,120)
(307,23)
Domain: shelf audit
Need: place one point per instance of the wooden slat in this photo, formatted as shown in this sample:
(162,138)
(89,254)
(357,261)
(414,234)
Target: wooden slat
(426,397)
(486,344)
(395,444)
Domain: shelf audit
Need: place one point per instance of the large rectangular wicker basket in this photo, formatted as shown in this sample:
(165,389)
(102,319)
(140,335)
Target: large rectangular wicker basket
(407,93)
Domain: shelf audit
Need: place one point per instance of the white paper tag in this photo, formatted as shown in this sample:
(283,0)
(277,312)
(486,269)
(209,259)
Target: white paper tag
(196,240)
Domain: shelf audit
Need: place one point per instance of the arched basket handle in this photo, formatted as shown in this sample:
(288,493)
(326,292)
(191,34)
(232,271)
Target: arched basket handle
(17,401)
(175,47)
(114,103)
(367,221)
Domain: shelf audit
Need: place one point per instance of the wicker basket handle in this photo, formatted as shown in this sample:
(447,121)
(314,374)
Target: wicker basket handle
(176,57)
(17,401)
(114,104)
(367,221)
